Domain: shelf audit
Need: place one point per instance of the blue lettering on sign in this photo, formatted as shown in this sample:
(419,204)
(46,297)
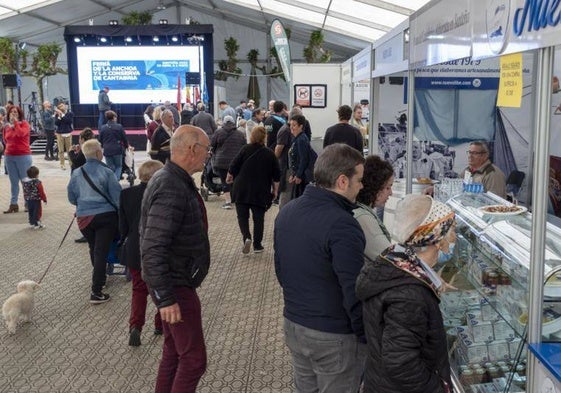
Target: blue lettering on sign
(538,14)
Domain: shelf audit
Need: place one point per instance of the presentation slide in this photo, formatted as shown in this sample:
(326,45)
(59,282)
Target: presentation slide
(136,74)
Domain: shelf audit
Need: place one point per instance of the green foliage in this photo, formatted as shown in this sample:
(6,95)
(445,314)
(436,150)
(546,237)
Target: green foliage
(314,52)
(135,18)
(228,67)
(7,56)
(43,61)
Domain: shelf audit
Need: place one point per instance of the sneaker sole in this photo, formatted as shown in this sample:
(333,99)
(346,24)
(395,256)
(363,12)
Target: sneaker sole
(246,246)
(99,301)
(258,251)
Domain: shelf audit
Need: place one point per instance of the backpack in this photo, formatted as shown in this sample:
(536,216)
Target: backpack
(309,172)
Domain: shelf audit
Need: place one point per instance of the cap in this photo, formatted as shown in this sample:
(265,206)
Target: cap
(229,119)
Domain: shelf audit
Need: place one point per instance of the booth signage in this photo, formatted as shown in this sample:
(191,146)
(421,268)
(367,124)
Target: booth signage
(389,57)
(440,33)
(361,65)
(536,15)
(281,45)
(510,84)
(346,72)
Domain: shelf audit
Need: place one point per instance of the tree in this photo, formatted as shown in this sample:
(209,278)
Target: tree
(136,18)
(314,52)
(43,62)
(229,68)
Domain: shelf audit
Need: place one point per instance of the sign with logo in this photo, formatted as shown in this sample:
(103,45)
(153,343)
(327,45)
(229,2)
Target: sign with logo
(440,33)
(280,40)
(310,96)
(503,26)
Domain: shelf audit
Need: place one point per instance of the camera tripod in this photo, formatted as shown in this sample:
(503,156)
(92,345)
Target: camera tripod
(32,114)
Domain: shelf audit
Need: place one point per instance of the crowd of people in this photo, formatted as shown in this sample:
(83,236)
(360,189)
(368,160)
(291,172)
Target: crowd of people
(346,281)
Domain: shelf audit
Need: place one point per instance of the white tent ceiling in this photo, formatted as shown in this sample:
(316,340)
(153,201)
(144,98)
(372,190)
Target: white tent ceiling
(348,25)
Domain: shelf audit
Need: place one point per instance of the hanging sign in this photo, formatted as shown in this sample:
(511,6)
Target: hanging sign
(510,82)
(281,45)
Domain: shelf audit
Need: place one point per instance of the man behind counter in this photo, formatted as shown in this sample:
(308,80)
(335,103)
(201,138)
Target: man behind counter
(481,170)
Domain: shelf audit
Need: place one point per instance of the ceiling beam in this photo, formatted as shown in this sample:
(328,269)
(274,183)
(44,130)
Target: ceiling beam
(302,38)
(386,5)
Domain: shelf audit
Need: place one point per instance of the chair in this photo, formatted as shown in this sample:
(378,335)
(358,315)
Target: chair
(513,184)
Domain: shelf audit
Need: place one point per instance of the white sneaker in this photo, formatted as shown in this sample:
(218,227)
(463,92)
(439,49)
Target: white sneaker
(39,225)
(246,246)
(227,206)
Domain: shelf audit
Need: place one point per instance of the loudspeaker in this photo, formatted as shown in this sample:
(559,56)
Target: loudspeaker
(192,78)
(10,80)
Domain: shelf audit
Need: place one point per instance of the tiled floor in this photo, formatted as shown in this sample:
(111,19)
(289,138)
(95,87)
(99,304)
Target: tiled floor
(72,346)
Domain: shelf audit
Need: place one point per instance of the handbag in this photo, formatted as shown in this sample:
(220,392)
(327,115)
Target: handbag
(92,185)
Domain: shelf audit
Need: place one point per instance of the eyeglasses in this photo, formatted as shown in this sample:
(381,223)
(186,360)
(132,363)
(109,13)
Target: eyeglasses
(208,148)
(475,153)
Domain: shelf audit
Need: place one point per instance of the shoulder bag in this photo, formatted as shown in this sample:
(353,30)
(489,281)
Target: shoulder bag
(96,189)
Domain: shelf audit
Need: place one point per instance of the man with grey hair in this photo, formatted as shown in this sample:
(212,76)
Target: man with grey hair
(175,253)
(95,191)
(481,170)
(318,255)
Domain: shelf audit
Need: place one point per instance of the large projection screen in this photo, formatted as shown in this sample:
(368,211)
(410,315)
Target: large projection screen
(135,74)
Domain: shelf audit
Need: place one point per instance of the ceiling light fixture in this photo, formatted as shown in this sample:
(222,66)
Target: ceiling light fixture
(128,39)
(113,22)
(163,21)
(77,39)
(103,39)
(174,38)
(155,38)
(161,5)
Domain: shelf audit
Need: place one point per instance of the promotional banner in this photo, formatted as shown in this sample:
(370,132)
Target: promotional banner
(281,45)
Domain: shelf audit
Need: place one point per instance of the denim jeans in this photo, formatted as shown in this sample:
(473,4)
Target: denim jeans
(116,164)
(34,211)
(324,362)
(17,171)
(101,120)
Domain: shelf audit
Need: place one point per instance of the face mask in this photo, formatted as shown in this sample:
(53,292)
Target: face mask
(444,257)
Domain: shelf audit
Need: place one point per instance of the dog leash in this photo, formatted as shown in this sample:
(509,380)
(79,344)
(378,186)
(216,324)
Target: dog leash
(57,250)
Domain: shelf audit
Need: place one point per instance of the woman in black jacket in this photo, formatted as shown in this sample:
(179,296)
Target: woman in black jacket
(400,294)
(129,255)
(255,173)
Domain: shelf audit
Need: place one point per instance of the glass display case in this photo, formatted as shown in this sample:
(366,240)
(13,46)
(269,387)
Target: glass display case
(486,318)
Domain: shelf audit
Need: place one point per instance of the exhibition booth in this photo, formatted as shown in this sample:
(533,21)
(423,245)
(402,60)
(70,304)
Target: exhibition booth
(468,70)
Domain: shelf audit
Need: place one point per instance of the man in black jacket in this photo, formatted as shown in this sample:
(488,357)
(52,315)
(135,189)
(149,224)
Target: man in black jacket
(343,132)
(319,250)
(175,255)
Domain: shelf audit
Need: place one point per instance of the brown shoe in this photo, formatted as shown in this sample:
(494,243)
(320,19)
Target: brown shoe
(12,209)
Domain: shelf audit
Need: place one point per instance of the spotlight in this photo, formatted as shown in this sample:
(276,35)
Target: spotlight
(155,38)
(161,6)
(22,45)
(163,21)
(113,22)
(174,38)
(77,39)
(128,39)
(103,39)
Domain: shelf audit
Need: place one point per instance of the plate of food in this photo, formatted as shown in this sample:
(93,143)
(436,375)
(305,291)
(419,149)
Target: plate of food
(423,180)
(502,210)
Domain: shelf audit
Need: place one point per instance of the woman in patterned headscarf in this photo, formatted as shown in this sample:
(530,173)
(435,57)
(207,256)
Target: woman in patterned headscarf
(400,294)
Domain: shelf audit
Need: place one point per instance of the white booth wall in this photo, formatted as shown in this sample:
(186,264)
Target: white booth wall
(323,74)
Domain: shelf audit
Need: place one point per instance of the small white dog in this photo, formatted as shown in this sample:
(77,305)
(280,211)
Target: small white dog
(19,306)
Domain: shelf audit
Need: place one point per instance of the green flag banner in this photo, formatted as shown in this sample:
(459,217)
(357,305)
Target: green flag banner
(281,45)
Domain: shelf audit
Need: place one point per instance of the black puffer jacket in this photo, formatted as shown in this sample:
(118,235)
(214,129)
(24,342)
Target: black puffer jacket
(404,330)
(174,244)
(226,143)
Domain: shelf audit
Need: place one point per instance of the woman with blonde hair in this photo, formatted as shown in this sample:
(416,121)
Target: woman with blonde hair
(255,174)
(400,294)
(129,218)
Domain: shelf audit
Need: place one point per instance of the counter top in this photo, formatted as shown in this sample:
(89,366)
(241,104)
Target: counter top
(550,356)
